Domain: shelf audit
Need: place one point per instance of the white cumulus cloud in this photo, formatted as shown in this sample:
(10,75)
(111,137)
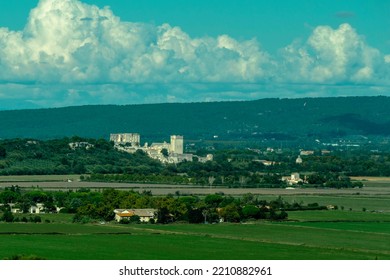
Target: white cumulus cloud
(72,53)
(333,56)
(72,42)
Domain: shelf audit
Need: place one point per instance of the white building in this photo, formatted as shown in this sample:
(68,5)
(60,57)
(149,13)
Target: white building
(37,209)
(176,144)
(176,158)
(175,148)
(13,208)
(208,157)
(306,153)
(80,145)
(133,139)
(145,215)
(299,160)
(294,179)
(159,147)
(265,162)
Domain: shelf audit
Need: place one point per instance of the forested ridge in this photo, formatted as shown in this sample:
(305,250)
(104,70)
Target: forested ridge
(284,119)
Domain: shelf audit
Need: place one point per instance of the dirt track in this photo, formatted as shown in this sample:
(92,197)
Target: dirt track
(164,189)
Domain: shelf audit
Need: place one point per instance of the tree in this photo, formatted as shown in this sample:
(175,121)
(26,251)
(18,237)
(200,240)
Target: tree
(163,216)
(3,152)
(230,213)
(164,152)
(250,211)
(135,219)
(243,180)
(211,180)
(9,196)
(74,204)
(213,200)
(104,212)
(248,198)
(195,216)
(36,196)
(210,215)
(275,216)
(49,205)
(7,217)
(79,168)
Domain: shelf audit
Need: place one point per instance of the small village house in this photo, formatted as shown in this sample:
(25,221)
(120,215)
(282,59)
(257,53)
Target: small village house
(37,209)
(294,179)
(145,215)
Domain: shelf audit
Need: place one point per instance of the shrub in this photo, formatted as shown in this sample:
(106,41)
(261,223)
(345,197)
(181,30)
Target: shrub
(24,257)
(78,218)
(124,221)
(7,217)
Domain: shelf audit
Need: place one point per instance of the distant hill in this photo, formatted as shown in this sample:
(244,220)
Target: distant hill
(283,119)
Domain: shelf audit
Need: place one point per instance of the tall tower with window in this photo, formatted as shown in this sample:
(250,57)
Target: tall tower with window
(176,144)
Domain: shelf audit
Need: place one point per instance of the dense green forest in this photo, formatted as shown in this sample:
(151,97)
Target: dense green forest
(260,120)
(34,157)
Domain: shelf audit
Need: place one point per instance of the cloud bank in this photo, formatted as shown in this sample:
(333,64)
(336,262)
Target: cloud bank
(73,53)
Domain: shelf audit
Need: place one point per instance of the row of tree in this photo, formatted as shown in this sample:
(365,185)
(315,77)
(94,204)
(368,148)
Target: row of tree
(88,205)
(8,217)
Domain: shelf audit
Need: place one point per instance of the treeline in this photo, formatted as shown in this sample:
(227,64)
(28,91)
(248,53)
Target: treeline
(354,161)
(90,206)
(358,162)
(242,168)
(33,157)
(245,179)
(99,161)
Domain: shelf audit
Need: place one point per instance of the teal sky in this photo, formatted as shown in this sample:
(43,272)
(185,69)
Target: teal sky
(274,23)
(285,32)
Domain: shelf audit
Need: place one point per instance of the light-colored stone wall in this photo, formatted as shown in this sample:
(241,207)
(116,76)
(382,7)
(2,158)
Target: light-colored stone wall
(177,144)
(126,138)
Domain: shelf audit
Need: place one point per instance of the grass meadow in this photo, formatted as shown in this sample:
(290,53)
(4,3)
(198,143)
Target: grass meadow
(359,229)
(148,246)
(365,238)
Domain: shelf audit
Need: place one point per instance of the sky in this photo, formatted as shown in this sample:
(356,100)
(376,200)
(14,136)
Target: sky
(56,53)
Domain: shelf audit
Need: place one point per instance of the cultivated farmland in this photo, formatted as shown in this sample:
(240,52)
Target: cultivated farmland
(358,229)
(222,241)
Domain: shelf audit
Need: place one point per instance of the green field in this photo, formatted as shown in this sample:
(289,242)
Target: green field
(365,239)
(348,234)
(355,201)
(338,216)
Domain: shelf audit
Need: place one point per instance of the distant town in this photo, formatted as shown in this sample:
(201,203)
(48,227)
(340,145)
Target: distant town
(172,152)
